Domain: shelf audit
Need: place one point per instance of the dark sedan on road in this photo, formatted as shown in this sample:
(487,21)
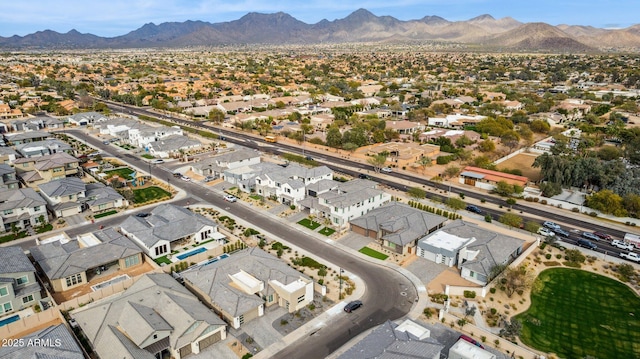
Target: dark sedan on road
(351,306)
(474,209)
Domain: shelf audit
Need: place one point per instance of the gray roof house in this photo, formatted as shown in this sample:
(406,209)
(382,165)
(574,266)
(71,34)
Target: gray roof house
(19,287)
(172,145)
(60,345)
(216,165)
(43,148)
(474,249)
(245,177)
(22,207)
(155,317)
(239,287)
(166,224)
(8,179)
(395,341)
(25,137)
(346,201)
(397,226)
(71,195)
(288,184)
(71,263)
(85,118)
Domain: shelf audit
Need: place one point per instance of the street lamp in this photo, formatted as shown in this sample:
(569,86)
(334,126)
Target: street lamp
(340,278)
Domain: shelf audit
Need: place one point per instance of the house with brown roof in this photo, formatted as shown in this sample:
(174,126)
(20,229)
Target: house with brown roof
(402,154)
(487,179)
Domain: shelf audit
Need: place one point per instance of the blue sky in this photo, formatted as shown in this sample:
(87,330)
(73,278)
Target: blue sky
(118,17)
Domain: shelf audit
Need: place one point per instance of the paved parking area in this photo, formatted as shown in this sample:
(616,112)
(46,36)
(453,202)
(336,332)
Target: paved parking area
(354,240)
(426,270)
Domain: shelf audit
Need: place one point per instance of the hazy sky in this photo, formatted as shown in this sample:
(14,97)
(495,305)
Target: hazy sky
(118,17)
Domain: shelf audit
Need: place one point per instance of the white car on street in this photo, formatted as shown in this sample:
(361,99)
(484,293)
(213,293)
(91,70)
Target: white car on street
(546,232)
(386,169)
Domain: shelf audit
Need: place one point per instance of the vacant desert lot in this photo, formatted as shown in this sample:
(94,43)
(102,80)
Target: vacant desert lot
(523,162)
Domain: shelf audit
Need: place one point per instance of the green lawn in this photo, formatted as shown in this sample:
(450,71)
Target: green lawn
(372,253)
(578,314)
(148,156)
(104,214)
(122,172)
(307,223)
(46,228)
(10,237)
(327,231)
(163,259)
(142,195)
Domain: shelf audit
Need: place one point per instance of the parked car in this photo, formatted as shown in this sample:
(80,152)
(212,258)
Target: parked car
(604,236)
(157,160)
(561,232)
(474,209)
(622,245)
(230,198)
(351,306)
(185,178)
(177,174)
(209,178)
(546,232)
(142,214)
(590,236)
(386,169)
(471,340)
(551,225)
(105,142)
(587,244)
(364,176)
(631,256)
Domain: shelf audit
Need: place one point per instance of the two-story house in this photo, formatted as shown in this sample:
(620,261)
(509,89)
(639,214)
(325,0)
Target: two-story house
(172,145)
(288,185)
(216,165)
(37,170)
(346,201)
(166,226)
(21,208)
(43,148)
(19,288)
(8,179)
(71,195)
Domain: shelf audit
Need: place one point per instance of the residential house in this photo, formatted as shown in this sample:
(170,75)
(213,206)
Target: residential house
(404,127)
(70,196)
(487,179)
(154,318)
(403,154)
(456,120)
(235,107)
(390,340)
(25,137)
(397,226)
(166,227)
(19,288)
(172,145)
(239,288)
(475,250)
(288,184)
(370,90)
(346,201)
(244,177)
(70,263)
(452,135)
(54,342)
(216,165)
(43,148)
(462,349)
(21,208)
(142,137)
(85,118)
(8,179)
(7,154)
(36,170)
(36,124)
(7,112)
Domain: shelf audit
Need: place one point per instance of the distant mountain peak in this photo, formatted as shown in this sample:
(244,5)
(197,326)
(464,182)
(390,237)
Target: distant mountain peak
(483,17)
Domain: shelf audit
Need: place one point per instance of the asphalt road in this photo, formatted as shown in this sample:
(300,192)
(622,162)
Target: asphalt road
(389,295)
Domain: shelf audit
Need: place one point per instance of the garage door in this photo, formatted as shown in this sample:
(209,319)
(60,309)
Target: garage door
(185,350)
(208,341)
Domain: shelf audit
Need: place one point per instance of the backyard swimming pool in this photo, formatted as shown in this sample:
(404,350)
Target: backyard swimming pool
(213,260)
(192,253)
(8,320)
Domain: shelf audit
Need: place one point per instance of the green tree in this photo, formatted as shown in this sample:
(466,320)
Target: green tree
(455,203)
(334,137)
(216,116)
(503,189)
(607,202)
(487,146)
(424,162)
(511,220)
(510,139)
(531,226)
(417,192)
(540,126)
(550,189)
(377,161)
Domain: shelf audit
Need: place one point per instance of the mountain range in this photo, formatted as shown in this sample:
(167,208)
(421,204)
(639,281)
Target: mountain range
(483,32)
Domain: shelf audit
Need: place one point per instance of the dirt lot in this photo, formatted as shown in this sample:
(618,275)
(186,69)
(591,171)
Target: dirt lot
(523,162)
